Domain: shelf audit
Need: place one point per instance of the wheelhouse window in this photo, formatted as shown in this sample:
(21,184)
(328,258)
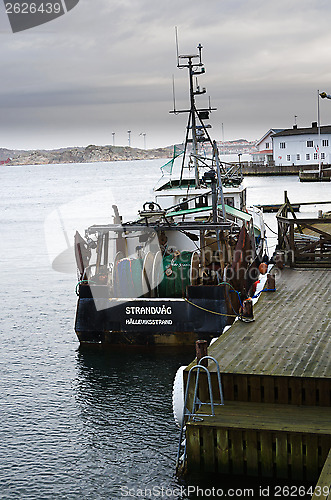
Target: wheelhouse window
(201,201)
(282,145)
(310,144)
(229,201)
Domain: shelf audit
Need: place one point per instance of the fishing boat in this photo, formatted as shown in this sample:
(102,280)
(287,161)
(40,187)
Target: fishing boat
(183,268)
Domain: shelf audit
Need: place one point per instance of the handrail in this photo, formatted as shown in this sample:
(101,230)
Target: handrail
(181,453)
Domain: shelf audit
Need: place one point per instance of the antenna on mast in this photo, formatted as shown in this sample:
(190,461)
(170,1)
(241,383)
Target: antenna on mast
(173,94)
(177,48)
(200,47)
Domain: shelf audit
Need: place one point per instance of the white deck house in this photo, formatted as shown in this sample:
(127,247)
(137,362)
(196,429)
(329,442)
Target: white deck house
(264,153)
(302,146)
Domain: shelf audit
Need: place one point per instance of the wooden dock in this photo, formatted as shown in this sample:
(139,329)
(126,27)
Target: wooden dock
(303,242)
(274,207)
(315,175)
(276,377)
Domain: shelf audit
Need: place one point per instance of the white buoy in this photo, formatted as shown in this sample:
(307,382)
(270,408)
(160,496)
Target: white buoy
(178,396)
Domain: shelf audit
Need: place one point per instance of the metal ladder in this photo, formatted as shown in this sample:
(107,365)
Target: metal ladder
(196,405)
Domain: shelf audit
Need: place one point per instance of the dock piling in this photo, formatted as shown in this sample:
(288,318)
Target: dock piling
(201,350)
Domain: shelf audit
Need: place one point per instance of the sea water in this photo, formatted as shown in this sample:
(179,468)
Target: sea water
(84,423)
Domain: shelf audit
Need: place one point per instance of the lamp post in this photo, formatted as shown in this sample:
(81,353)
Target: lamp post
(319,135)
(129,138)
(113,134)
(239,155)
(144,136)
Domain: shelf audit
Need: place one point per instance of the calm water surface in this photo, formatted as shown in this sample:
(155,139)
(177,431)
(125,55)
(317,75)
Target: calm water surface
(81,423)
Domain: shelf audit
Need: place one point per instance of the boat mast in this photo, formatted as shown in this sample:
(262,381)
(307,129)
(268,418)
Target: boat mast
(193,123)
(194,68)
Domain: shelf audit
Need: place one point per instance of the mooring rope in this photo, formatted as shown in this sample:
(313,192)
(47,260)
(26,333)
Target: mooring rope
(208,310)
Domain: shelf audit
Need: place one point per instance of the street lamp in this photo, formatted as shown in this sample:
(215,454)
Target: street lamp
(239,155)
(129,133)
(144,136)
(113,134)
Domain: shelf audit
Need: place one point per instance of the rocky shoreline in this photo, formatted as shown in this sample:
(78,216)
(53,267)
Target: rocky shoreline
(87,154)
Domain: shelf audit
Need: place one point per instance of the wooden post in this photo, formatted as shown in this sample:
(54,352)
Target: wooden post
(201,349)
(247,309)
(271,282)
(292,246)
(279,260)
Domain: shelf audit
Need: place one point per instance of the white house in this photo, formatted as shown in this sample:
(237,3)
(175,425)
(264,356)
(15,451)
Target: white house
(302,146)
(264,153)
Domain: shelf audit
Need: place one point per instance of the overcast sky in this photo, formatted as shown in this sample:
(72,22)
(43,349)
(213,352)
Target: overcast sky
(106,66)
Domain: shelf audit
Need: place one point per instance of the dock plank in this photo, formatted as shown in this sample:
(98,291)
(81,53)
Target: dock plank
(323,487)
(266,453)
(311,453)
(222,448)
(273,417)
(252,458)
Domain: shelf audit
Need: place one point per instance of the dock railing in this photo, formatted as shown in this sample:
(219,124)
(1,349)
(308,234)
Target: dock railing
(304,242)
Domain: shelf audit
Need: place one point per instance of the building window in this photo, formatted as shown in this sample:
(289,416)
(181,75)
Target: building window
(325,142)
(267,145)
(288,157)
(322,156)
(308,156)
(310,144)
(282,145)
(315,156)
(298,157)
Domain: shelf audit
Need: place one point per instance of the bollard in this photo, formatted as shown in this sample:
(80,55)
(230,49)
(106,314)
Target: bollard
(247,310)
(279,260)
(201,350)
(271,282)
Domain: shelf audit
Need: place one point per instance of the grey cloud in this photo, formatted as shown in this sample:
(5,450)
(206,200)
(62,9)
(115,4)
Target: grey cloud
(264,62)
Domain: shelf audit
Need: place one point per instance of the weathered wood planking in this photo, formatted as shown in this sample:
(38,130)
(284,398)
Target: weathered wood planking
(269,389)
(276,376)
(323,486)
(273,417)
(291,332)
(261,440)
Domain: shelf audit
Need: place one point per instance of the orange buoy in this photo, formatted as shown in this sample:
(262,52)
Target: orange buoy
(263,268)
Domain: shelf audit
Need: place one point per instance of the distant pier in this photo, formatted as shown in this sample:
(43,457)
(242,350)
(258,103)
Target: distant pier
(305,172)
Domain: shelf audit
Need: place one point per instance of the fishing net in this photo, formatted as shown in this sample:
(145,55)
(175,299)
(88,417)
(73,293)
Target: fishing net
(167,167)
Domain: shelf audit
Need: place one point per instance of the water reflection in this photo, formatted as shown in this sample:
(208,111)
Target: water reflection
(125,403)
(130,437)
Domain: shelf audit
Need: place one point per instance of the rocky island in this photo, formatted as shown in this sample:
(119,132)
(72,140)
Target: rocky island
(87,154)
